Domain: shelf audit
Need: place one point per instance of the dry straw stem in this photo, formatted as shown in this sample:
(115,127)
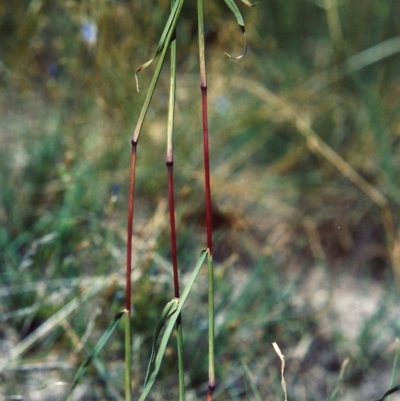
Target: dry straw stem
(317,145)
(282,358)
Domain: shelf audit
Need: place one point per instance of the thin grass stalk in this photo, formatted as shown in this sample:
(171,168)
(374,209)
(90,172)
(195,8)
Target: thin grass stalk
(156,75)
(211,329)
(170,164)
(339,380)
(203,87)
(130,230)
(128,358)
(128,291)
(333,19)
(134,142)
(171,196)
(176,284)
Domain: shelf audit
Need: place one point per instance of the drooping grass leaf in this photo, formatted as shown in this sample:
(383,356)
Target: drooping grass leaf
(232,5)
(162,50)
(170,326)
(99,346)
(166,35)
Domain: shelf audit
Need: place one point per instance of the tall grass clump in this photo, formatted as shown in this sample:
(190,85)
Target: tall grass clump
(279,170)
(172,311)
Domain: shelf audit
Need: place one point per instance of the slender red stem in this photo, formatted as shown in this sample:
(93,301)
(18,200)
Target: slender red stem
(207,185)
(170,167)
(130,229)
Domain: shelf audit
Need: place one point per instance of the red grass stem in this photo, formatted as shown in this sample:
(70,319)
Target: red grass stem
(172,226)
(130,229)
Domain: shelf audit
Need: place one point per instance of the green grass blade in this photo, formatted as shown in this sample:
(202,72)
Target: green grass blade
(99,346)
(165,36)
(170,326)
(339,380)
(150,92)
(168,311)
(233,7)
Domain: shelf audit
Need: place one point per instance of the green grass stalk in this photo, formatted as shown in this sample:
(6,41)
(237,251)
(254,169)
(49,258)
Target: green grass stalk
(339,380)
(171,197)
(203,87)
(163,46)
(128,358)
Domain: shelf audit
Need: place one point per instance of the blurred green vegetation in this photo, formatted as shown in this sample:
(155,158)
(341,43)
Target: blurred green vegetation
(68,108)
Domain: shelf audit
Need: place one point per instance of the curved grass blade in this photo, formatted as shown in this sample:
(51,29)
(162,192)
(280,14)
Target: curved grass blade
(168,311)
(391,391)
(233,7)
(165,36)
(282,358)
(99,346)
(339,380)
(170,326)
(150,92)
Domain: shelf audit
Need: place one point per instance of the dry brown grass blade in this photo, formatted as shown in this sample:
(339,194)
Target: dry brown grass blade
(282,358)
(318,146)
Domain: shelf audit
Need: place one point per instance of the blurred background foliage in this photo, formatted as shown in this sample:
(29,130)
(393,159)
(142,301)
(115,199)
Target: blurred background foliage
(68,105)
